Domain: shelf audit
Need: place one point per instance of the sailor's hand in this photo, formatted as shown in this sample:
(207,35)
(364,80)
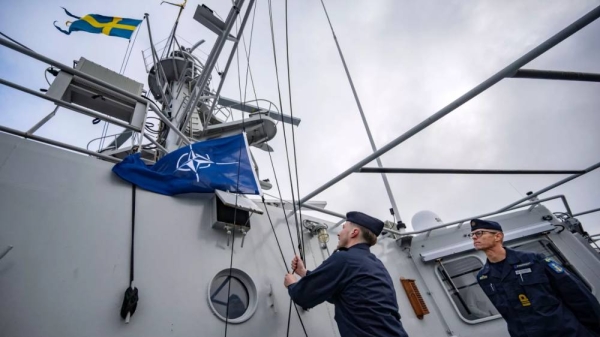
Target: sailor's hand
(298,266)
(289,279)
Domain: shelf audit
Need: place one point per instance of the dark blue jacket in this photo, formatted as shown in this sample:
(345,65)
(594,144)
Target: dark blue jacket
(539,298)
(361,289)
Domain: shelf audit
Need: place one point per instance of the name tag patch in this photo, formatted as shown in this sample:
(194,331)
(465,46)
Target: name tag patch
(523,265)
(520,272)
(523,271)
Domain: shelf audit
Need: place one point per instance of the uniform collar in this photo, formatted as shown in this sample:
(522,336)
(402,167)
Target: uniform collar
(360,246)
(511,259)
(364,246)
(511,256)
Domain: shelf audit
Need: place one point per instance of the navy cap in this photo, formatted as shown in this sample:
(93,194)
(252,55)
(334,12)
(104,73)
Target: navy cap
(366,221)
(477,224)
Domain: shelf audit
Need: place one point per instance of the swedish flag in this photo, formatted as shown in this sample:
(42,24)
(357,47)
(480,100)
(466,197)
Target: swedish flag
(94,23)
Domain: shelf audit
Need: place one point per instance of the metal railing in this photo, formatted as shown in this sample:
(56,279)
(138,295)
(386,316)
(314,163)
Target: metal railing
(509,71)
(85,111)
(456,222)
(114,138)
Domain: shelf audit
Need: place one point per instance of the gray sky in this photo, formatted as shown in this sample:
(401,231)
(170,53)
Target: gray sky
(408,59)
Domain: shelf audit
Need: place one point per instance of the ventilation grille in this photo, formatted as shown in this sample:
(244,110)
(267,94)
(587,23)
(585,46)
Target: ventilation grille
(415,298)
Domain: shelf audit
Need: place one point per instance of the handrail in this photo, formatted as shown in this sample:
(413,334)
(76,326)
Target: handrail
(508,71)
(104,137)
(59,144)
(92,79)
(70,106)
(562,197)
(587,212)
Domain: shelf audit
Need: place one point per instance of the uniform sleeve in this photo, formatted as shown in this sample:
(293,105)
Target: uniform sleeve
(320,284)
(574,295)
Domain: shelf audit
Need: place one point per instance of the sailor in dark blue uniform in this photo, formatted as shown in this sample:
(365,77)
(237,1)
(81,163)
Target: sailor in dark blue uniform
(354,280)
(536,296)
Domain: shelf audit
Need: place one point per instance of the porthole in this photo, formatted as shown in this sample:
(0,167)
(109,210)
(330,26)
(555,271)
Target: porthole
(232,294)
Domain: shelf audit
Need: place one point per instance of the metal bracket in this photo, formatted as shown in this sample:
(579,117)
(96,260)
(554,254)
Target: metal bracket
(205,16)
(42,121)
(8,249)
(243,237)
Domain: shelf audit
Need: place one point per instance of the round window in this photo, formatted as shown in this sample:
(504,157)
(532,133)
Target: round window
(232,294)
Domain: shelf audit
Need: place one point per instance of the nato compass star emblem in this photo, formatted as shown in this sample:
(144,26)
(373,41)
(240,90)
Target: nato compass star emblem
(192,162)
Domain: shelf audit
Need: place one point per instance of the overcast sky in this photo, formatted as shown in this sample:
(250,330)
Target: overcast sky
(408,59)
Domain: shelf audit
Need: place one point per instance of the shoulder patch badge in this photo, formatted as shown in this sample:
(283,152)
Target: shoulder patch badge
(555,266)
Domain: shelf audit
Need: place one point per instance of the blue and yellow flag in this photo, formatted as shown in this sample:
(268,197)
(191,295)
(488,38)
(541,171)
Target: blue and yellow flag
(94,23)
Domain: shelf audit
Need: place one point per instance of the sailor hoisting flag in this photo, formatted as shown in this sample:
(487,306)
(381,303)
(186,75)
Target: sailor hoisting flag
(94,23)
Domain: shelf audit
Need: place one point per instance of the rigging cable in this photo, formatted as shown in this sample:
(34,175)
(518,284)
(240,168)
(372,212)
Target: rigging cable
(301,250)
(131,293)
(298,230)
(124,63)
(242,142)
(249,71)
(169,43)
(281,114)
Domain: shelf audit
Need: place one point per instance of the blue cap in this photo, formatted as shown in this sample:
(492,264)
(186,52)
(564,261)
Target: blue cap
(477,224)
(366,221)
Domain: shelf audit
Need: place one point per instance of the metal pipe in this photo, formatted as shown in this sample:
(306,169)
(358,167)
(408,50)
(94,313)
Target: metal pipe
(337,224)
(484,215)
(224,74)
(393,231)
(507,71)
(196,45)
(59,144)
(159,70)
(213,56)
(594,236)
(546,189)
(115,141)
(165,120)
(342,216)
(339,215)
(587,212)
(156,143)
(68,105)
(142,134)
(386,184)
(322,210)
(15,41)
(83,75)
(462,171)
(556,75)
